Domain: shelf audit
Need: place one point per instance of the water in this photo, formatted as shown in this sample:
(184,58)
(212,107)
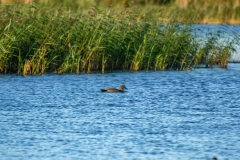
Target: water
(223,33)
(163,115)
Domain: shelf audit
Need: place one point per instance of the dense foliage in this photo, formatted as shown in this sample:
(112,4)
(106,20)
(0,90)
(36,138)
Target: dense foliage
(47,38)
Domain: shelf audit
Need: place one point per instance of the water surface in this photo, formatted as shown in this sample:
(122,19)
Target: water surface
(163,115)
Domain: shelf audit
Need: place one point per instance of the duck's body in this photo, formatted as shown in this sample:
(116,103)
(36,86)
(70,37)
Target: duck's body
(122,87)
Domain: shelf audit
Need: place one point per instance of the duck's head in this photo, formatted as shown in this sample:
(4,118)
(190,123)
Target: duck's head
(122,87)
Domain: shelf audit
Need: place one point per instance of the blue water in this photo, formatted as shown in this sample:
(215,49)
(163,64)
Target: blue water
(223,33)
(163,115)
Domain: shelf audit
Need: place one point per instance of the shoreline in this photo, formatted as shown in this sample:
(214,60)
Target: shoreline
(75,41)
(219,22)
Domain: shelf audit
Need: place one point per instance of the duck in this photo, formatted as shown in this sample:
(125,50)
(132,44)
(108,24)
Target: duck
(122,87)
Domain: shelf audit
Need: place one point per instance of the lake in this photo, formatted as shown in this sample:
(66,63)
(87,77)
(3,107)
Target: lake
(223,33)
(162,115)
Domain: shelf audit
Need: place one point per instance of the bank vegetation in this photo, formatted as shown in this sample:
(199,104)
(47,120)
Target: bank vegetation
(38,38)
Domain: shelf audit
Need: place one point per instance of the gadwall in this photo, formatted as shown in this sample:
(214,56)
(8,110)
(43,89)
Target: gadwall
(122,87)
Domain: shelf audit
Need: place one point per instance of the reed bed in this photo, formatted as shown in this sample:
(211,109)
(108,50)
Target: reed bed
(196,11)
(38,38)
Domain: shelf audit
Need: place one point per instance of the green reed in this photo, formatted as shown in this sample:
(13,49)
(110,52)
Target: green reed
(40,38)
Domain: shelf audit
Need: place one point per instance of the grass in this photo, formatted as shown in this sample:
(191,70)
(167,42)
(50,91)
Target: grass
(40,38)
(194,11)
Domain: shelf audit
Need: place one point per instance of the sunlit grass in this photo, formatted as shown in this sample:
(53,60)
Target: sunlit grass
(39,38)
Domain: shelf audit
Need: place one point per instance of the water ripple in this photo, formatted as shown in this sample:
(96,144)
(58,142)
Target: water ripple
(162,115)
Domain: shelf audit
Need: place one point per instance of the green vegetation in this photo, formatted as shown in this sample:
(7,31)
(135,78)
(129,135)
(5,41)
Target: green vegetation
(194,11)
(40,38)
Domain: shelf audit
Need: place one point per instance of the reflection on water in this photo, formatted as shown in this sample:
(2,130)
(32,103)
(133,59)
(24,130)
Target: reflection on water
(163,115)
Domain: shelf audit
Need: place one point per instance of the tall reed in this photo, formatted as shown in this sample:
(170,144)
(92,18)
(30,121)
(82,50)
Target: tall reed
(40,38)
